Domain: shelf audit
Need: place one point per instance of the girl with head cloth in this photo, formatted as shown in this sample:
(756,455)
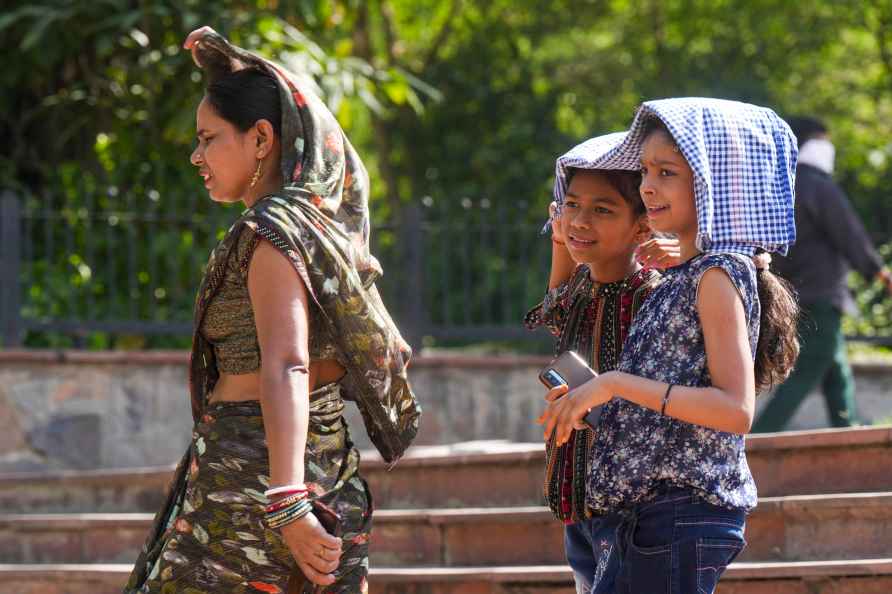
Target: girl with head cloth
(668,463)
(288,324)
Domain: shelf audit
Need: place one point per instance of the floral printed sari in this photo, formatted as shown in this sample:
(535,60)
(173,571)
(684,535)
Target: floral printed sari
(210,535)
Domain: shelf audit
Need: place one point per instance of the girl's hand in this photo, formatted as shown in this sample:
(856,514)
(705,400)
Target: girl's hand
(317,552)
(556,392)
(659,252)
(193,39)
(557,233)
(566,411)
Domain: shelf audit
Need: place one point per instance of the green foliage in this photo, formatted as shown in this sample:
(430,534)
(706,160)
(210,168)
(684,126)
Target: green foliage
(462,104)
(874,316)
(106,86)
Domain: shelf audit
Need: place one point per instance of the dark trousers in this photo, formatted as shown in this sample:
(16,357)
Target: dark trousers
(822,362)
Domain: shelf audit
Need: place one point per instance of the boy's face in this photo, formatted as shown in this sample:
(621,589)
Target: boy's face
(599,225)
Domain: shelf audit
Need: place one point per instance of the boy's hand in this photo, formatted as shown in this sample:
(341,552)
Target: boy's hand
(659,252)
(557,233)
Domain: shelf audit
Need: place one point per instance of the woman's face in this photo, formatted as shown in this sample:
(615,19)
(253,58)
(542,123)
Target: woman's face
(667,187)
(226,157)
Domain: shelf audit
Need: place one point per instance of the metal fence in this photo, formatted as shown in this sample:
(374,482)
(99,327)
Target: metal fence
(104,263)
(90,269)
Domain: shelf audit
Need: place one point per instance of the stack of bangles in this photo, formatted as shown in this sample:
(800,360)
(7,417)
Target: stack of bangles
(293,506)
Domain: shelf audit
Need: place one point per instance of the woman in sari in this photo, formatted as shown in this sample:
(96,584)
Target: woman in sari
(288,324)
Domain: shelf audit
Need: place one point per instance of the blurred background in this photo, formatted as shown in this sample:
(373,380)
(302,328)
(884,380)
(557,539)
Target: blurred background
(459,109)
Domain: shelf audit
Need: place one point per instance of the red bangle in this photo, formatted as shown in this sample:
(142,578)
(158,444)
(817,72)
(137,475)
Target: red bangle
(288,493)
(286,502)
(553,240)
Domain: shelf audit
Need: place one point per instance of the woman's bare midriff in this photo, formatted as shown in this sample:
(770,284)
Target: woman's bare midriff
(246,386)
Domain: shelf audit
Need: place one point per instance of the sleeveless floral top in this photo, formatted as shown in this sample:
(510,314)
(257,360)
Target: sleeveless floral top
(637,448)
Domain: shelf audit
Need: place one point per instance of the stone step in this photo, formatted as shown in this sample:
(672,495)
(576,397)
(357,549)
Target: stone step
(800,528)
(865,576)
(72,538)
(486,474)
(793,463)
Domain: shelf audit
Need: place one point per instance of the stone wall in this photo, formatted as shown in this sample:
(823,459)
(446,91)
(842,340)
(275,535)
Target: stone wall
(77,410)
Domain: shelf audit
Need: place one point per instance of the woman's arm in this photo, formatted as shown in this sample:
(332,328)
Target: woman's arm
(727,405)
(281,315)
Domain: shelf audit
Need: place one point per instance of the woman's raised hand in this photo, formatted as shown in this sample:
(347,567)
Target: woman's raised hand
(659,252)
(193,39)
(317,552)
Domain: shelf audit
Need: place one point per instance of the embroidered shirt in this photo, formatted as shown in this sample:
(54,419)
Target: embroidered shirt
(635,447)
(592,319)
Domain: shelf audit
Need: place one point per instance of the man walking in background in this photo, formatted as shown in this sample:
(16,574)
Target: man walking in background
(830,241)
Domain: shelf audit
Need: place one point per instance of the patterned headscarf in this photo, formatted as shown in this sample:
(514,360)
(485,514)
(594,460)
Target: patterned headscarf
(318,162)
(320,220)
(744,161)
(583,156)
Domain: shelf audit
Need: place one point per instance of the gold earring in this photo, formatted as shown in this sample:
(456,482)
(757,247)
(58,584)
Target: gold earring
(256,177)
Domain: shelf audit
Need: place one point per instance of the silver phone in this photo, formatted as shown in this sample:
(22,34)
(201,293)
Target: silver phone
(571,370)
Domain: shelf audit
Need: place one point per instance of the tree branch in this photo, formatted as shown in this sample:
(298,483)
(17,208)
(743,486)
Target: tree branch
(882,44)
(362,47)
(442,35)
(390,37)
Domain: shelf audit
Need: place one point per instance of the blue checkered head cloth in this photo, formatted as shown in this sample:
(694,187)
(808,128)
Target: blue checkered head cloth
(583,156)
(744,162)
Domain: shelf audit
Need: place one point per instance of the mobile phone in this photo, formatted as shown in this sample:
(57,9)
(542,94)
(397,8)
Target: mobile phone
(571,370)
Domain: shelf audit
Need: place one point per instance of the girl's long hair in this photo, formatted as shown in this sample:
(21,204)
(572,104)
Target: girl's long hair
(778,345)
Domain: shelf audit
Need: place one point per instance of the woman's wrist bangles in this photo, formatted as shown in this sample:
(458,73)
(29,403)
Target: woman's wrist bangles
(292,513)
(293,506)
(555,241)
(281,504)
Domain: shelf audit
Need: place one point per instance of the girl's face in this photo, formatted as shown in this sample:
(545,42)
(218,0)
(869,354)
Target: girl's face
(226,157)
(667,188)
(599,225)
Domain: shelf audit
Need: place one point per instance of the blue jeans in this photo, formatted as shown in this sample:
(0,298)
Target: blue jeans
(590,551)
(675,544)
